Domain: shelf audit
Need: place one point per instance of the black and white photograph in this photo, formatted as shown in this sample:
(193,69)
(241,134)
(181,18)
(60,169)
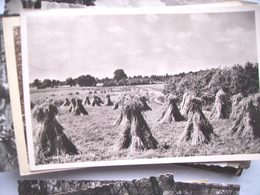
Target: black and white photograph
(231,168)
(140,88)
(16,6)
(12,41)
(154,185)
(8,155)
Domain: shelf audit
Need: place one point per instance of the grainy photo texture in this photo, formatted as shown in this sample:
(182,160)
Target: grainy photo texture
(109,87)
(229,168)
(161,185)
(8,156)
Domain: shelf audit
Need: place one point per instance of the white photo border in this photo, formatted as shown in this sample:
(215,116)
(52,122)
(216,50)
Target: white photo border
(125,11)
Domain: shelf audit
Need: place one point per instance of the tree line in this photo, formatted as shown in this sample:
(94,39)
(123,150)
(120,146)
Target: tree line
(120,78)
(206,83)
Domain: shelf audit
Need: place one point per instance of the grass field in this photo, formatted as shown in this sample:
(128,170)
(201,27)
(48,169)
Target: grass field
(96,137)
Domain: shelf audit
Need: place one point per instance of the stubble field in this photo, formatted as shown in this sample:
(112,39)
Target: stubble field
(96,137)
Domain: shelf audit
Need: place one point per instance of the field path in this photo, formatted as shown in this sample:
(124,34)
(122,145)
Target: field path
(154,93)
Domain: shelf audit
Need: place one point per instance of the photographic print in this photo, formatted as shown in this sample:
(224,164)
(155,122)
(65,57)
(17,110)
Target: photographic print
(12,43)
(46,4)
(154,87)
(16,6)
(8,155)
(163,184)
(20,141)
(12,39)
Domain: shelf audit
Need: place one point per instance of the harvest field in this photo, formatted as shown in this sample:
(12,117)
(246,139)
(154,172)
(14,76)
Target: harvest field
(96,137)
(141,86)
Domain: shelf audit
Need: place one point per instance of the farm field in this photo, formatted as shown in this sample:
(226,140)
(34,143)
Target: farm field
(96,136)
(176,88)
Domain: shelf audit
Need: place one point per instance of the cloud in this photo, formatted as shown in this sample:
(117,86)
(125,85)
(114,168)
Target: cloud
(158,50)
(202,18)
(118,45)
(116,29)
(152,18)
(148,32)
(157,44)
(133,51)
(184,35)
(238,31)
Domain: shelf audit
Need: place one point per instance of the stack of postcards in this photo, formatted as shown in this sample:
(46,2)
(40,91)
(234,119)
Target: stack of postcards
(120,83)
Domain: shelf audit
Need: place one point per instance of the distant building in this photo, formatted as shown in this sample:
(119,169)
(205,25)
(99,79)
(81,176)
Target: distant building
(100,84)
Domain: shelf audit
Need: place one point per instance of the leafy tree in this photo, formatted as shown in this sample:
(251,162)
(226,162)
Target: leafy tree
(123,82)
(206,83)
(109,83)
(87,80)
(46,83)
(252,78)
(237,78)
(55,83)
(89,2)
(36,83)
(119,74)
(70,81)
(220,80)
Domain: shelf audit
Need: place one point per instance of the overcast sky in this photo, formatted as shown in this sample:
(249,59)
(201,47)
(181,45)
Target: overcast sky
(69,46)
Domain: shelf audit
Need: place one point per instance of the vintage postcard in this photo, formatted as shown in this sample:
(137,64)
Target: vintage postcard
(8,155)
(160,185)
(13,60)
(14,46)
(140,86)
(16,6)
(12,39)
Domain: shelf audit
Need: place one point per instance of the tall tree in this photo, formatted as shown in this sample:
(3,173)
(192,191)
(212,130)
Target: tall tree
(119,74)
(70,81)
(55,83)
(46,83)
(36,83)
(87,80)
